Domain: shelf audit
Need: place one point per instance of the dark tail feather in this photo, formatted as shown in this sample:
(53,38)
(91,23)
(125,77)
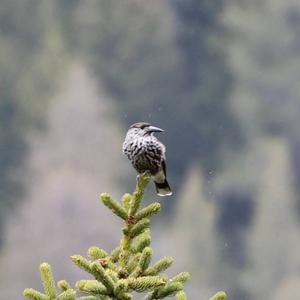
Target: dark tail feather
(163,189)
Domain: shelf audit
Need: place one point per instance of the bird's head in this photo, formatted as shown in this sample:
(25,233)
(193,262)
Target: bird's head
(143,129)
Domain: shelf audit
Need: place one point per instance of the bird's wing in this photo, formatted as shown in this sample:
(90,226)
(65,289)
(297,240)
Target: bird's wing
(163,164)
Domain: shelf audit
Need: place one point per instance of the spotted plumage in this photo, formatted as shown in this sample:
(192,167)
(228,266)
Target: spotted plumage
(147,154)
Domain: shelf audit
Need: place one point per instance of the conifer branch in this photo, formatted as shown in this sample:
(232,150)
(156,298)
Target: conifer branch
(181,277)
(48,280)
(35,295)
(145,259)
(50,292)
(133,263)
(82,263)
(126,199)
(169,289)
(138,228)
(219,296)
(143,241)
(138,194)
(181,295)
(121,288)
(148,211)
(91,286)
(103,277)
(67,295)
(142,284)
(63,285)
(97,253)
(115,254)
(114,206)
(127,268)
(160,266)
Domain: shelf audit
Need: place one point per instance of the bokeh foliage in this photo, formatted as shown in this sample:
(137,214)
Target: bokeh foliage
(147,67)
(31,58)
(213,74)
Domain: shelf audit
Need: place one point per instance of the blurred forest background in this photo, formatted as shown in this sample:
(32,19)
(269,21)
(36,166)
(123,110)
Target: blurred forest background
(220,77)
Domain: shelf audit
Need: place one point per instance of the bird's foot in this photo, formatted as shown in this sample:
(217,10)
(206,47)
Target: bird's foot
(145,174)
(142,181)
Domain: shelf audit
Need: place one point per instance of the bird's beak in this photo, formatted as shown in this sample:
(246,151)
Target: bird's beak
(154,129)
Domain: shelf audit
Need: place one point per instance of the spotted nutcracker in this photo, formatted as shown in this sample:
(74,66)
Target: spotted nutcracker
(147,154)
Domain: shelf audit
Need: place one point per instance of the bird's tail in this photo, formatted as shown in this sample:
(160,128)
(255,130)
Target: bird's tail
(161,183)
(163,189)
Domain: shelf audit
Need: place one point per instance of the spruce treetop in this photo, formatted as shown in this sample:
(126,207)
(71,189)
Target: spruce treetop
(128,268)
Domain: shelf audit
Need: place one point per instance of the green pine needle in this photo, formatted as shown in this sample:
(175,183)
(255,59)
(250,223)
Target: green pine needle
(63,285)
(133,263)
(91,286)
(121,288)
(115,254)
(219,296)
(138,194)
(82,263)
(145,259)
(139,227)
(97,253)
(169,289)
(181,277)
(48,280)
(143,241)
(125,296)
(148,211)
(145,283)
(35,295)
(114,206)
(126,199)
(160,266)
(67,295)
(181,295)
(101,275)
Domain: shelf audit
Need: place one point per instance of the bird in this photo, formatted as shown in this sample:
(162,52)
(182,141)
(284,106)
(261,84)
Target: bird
(147,154)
